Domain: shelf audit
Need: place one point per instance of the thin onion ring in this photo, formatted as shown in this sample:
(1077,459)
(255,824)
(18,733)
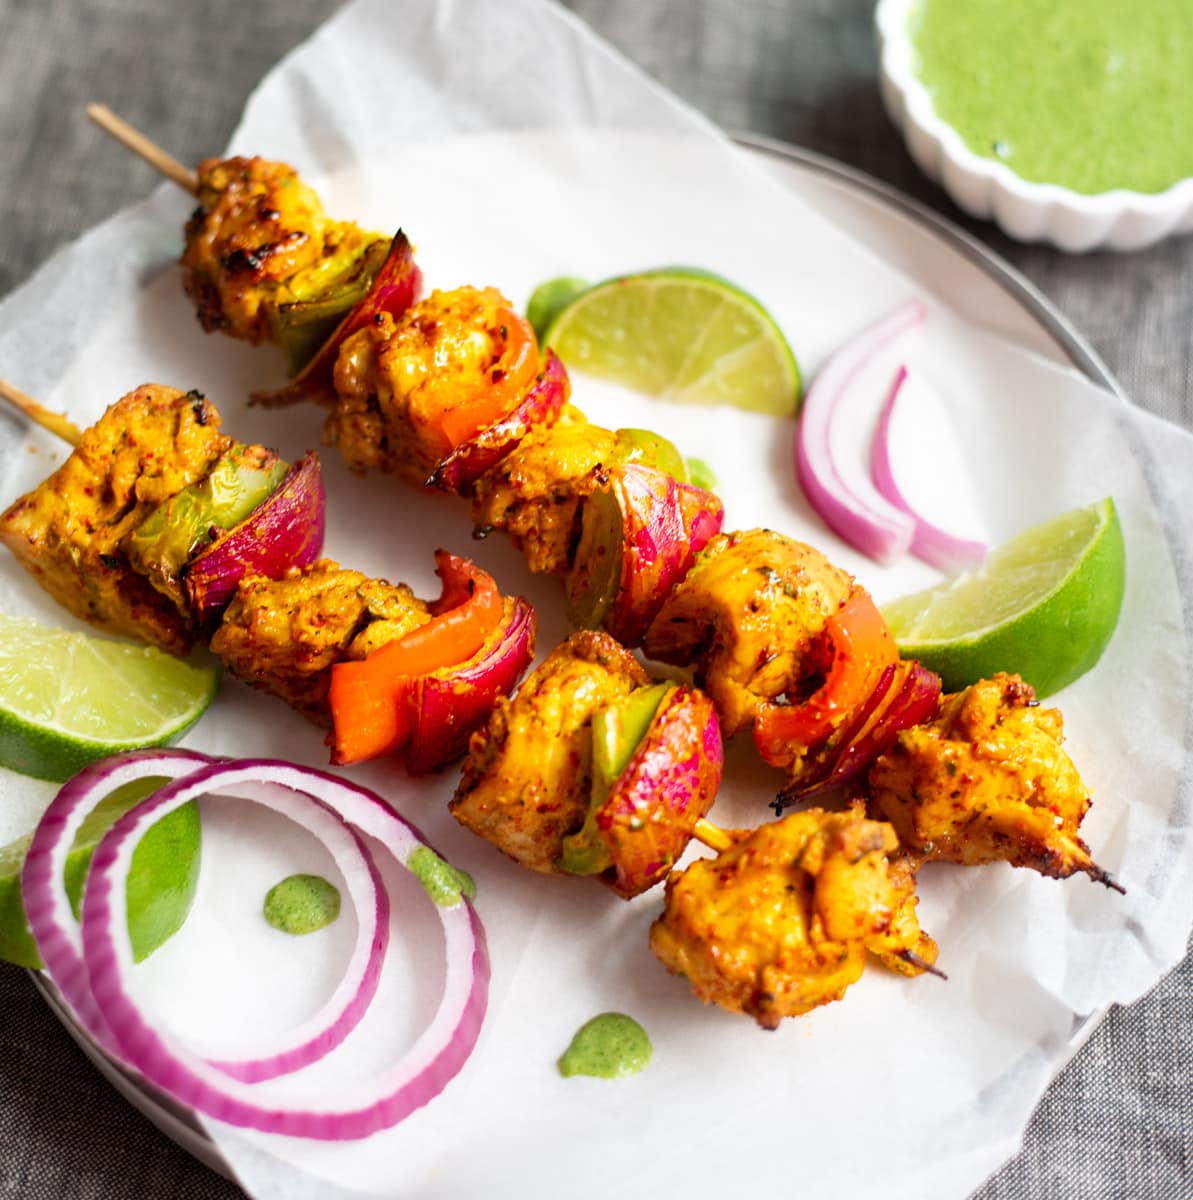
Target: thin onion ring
(438,1053)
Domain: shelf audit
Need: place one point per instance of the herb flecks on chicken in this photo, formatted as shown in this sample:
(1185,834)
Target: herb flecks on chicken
(68,531)
(283,636)
(747,614)
(987,781)
(528,777)
(780,923)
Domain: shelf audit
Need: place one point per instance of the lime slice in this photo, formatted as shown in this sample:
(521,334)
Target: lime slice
(162,877)
(1044,606)
(67,699)
(549,299)
(682,335)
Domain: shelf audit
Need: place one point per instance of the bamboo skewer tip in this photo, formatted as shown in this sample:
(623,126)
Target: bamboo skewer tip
(134,140)
(56,423)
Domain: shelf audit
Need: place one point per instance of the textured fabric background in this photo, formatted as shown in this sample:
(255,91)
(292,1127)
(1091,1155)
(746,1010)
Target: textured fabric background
(1118,1123)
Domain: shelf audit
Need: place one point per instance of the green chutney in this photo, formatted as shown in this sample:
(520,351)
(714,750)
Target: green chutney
(302,904)
(445,884)
(609,1047)
(1089,94)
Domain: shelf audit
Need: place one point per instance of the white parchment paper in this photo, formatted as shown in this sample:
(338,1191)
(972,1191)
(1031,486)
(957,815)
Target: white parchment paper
(512,146)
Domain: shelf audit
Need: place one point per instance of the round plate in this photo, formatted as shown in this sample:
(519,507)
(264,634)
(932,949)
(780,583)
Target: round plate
(941,259)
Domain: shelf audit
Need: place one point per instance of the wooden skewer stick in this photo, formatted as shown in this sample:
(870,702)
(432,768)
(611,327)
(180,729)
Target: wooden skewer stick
(56,423)
(713,836)
(140,145)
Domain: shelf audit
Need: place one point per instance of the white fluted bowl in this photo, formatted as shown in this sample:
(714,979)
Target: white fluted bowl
(985,188)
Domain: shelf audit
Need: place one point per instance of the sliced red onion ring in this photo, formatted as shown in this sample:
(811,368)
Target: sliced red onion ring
(869,524)
(400,1089)
(293,1048)
(934,545)
(43,886)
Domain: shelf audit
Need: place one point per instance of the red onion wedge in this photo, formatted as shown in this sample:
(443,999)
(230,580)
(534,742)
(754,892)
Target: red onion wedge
(934,545)
(667,787)
(449,704)
(639,535)
(396,287)
(284,531)
(540,406)
(225,1090)
(868,523)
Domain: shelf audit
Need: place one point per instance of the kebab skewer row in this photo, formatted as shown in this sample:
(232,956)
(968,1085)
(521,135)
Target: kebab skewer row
(784,641)
(441,392)
(594,769)
(161,527)
(446,392)
(591,768)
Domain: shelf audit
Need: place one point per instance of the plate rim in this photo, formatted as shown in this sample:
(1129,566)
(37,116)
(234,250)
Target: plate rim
(179,1123)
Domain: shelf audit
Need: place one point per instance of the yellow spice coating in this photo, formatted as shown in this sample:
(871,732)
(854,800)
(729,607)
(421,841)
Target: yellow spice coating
(68,531)
(780,922)
(987,780)
(259,239)
(396,378)
(284,635)
(528,776)
(534,494)
(746,615)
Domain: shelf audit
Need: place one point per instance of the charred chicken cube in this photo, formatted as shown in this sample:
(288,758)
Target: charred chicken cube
(987,780)
(747,615)
(411,388)
(284,635)
(534,494)
(528,777)
(259,240)
(69,531)
(781,922)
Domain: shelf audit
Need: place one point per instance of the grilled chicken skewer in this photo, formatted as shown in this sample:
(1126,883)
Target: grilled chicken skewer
(594,769)
(450,391)
(160,527)
(758,615)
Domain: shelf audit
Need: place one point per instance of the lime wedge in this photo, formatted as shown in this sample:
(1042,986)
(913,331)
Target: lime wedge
(549,299)
(162,877)
(1044,606)
(683,335)
(67,699)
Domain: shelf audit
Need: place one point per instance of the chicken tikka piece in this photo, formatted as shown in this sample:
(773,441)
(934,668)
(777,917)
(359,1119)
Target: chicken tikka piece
(987,780)
(781,921)
(259,239)
(535,493)
(746,615)
(401,382)
(283,636)
(68,531)
(527,779)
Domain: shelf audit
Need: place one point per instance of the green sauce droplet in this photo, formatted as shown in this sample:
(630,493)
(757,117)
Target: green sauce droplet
(441,881)
(302,904)
(609,1046)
